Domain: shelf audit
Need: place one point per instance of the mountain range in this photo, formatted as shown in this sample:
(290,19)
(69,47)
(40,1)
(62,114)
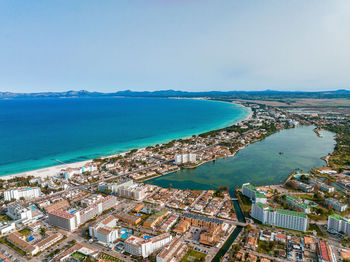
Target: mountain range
(272,94)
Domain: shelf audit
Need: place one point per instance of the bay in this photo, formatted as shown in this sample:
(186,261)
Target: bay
(34,133)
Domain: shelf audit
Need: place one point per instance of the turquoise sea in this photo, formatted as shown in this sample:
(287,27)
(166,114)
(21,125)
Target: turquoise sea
(35,132)
(259,163)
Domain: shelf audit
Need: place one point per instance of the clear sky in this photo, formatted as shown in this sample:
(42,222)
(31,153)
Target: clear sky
(194,45)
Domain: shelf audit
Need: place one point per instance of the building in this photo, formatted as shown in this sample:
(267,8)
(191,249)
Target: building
(126,188)
(155,219)
(114,186)
(336,204)
(105,231)
(71,219)
(140,247)
(323,186)
(19,241)
(279,217)
(18,193)
(90,200)
(338,224)
(324,252)
(78,247)
(296,203)
(60,205)
(66,220)
(18,212)
(301,186)
(129,219)
(254,195)
(173,252)
(137,192)
(185,158)
(182,226)
(165,227)
(6,227)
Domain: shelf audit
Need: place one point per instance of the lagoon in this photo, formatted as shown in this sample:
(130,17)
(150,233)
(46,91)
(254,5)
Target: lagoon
(259,163)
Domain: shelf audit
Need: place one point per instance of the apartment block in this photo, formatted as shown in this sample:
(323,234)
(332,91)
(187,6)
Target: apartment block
(16,211)
(18,193)
(279,217)
(338,224)
(254,195)
(141,247)
(173,252)
(296,203)
(105,231)
(336,204)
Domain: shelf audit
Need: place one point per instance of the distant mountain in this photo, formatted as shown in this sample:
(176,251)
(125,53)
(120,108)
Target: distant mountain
(267,94)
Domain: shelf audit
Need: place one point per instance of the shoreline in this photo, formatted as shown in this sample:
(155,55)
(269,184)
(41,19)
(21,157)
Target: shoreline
(55,169)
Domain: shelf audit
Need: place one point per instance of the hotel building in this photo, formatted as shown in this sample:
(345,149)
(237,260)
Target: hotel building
(336,204)
(339,224)
(140,247)
(71,219)
(26,193)
(105,231)
(254,195)
(16,211)
(185,158)
(279,217)
(296,203)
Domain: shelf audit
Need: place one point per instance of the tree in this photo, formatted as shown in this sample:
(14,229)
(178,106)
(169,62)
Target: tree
(42,231)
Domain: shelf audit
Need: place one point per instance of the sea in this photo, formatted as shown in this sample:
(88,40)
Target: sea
(39,133)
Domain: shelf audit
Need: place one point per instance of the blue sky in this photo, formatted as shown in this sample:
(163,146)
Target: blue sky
(194,45)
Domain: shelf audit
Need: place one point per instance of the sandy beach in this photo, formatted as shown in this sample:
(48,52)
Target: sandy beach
(54,170)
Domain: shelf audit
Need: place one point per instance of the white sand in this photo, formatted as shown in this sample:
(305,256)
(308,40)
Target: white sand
(54,170)
(47,171)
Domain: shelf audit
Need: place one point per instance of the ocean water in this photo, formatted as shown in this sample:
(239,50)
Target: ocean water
(259,163)
(36,132)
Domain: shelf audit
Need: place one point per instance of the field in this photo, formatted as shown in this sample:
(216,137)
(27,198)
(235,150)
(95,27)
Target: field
(193,256)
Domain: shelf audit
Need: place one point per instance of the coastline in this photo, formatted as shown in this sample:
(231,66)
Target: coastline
(54,170)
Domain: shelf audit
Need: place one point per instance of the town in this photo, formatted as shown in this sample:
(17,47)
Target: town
(105,210)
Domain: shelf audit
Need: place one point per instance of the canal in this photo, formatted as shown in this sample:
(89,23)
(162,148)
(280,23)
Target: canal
(235,232)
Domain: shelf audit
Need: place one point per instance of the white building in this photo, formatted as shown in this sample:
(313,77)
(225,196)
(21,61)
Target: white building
(6,227)
(126,188)
(16,211)
(105,230)
(174,251)
(279,217)
(337,223)
(336,204)
(66,220)
(71,219)
(185,158)
(135,191)
(26,193)
(254,195)
(141,247)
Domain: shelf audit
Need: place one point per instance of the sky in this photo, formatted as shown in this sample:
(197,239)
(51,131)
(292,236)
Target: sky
(192,45)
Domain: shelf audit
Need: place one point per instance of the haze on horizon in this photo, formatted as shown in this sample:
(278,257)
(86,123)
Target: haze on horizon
(187,45)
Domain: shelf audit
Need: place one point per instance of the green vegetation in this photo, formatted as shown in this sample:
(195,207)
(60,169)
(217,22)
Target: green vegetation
(109,257)
(25,231)
(78,256)
(340,158)
(314,227)
(193,256)
(17,249)
(266,247)
(4,217)
(244,202)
